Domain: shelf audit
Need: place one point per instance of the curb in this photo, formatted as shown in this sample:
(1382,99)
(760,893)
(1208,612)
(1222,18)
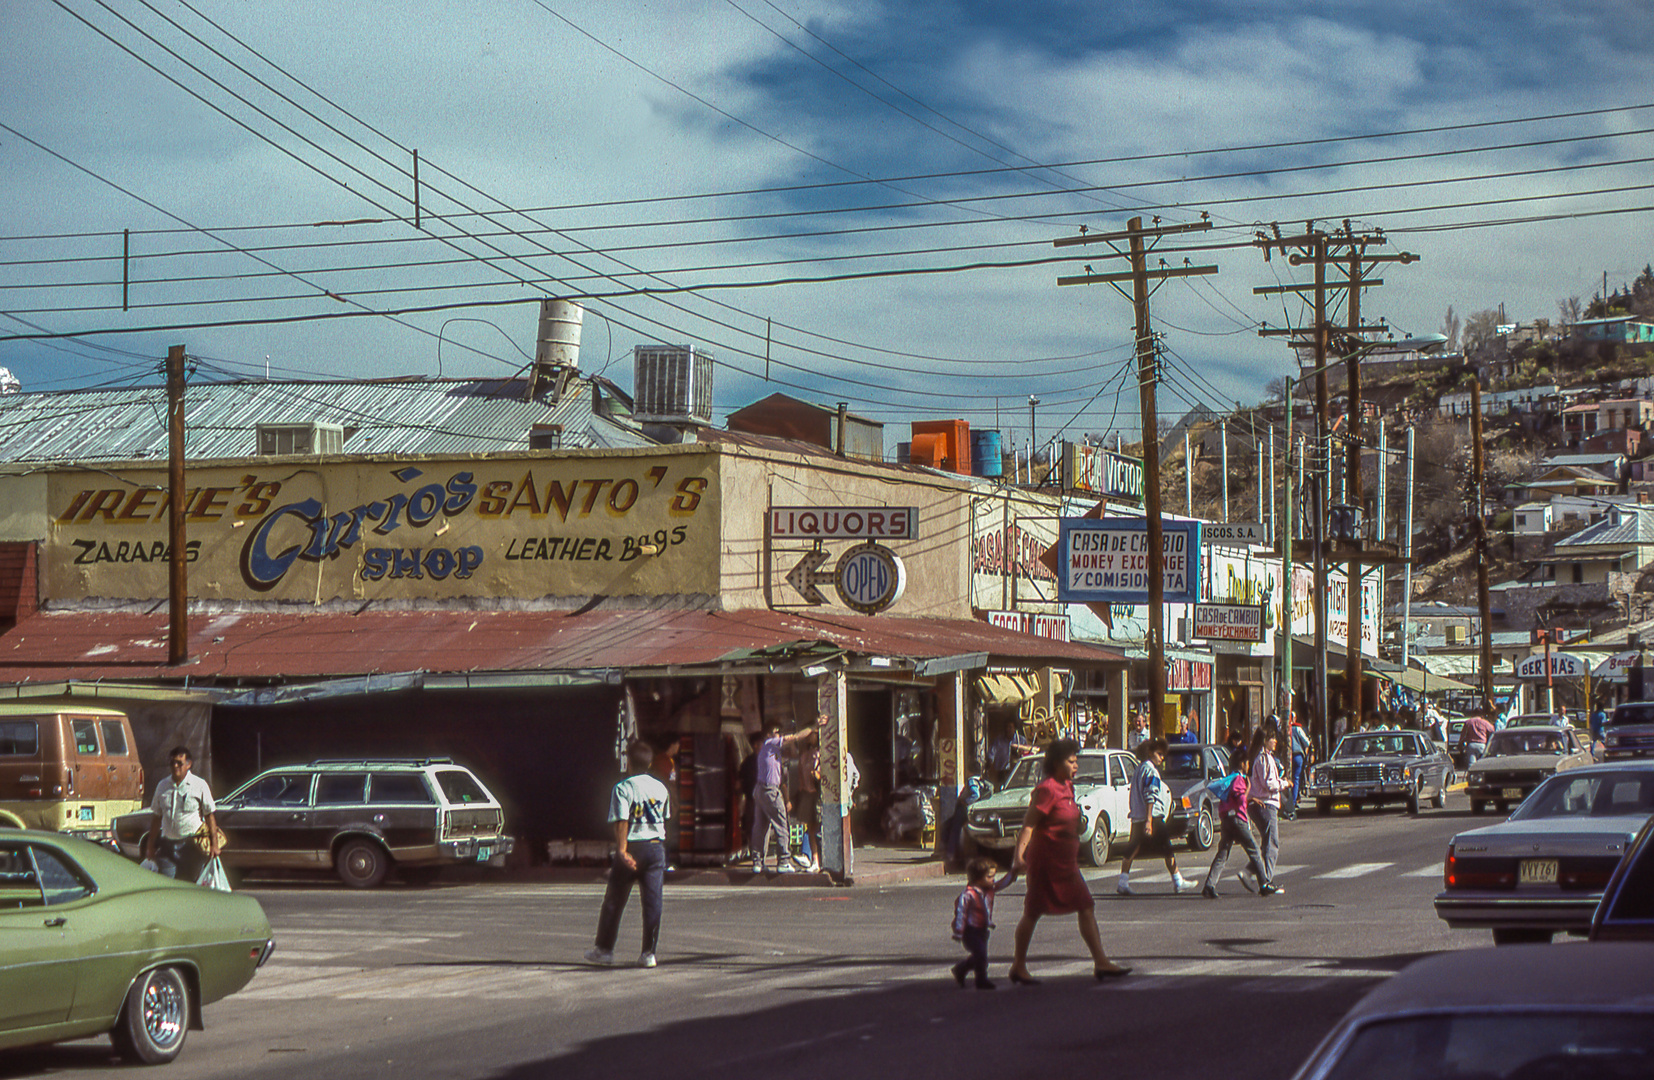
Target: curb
(877,874)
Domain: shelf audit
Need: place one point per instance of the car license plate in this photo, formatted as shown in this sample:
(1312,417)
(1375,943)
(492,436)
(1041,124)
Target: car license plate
(1360,792)
(1512,793)
(1536,872)
(485,853)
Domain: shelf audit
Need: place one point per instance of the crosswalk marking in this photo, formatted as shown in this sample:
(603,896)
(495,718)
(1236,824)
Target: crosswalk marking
(1354,870)
(1431,870)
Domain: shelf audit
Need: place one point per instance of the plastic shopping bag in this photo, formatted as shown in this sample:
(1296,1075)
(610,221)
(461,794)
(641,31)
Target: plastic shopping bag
(150,865)
(214,877)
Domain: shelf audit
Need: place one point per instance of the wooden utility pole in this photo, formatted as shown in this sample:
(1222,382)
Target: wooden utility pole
(178,631)
(1147,377)
(1352,484)
(1481,542)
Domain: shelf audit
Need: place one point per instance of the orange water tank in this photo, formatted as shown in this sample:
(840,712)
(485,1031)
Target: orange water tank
(942,444)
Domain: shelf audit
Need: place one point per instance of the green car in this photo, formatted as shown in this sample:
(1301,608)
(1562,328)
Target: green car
(91,943)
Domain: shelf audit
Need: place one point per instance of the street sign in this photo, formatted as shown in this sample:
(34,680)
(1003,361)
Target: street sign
(1234,532)
(1229,622)
(1564,665)
(870,578)
(843,522)
(1106,560)
(807,576)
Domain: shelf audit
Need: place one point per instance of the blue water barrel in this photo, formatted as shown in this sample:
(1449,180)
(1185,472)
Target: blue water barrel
(987,453)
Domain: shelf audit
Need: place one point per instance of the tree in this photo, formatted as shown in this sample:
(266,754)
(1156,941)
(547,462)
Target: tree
(1450,330)
(1275,389)
(1480,329)
(1569,310)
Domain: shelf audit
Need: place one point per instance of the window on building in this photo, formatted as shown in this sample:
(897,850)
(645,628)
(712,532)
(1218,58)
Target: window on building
(1522,520)
(1579,573)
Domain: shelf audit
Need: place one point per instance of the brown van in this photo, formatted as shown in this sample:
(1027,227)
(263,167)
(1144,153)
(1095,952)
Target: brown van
(67,768)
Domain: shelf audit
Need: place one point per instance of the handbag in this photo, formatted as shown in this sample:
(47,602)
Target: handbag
(200,839)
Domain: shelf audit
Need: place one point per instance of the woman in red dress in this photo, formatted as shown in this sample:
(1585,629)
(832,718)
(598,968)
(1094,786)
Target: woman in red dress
(1048,855)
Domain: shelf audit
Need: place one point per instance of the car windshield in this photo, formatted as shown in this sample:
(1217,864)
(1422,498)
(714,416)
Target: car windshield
(1537,720)
(1374,746)
(1619,793)
(1524,742)
(1031,770)
(1184,765)
(1586,1045)
(1641,712)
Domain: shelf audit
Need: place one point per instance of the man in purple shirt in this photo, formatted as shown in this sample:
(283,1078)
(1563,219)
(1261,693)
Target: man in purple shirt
(1474,735)
(770,803)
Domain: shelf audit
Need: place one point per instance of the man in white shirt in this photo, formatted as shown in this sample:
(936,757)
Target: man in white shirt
(183,803)
(639,810)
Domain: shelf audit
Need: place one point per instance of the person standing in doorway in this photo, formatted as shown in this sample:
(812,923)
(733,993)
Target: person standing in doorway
(772,801)
(638,809)
(1185,733)
(1048,852)
(1150,809)
(183,806)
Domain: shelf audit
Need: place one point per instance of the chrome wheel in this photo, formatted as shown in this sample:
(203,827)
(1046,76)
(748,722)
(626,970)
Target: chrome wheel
(1097,852)
(155,1018)
(1202,835)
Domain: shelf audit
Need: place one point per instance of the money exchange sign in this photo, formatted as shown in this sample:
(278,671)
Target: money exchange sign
(1106,560)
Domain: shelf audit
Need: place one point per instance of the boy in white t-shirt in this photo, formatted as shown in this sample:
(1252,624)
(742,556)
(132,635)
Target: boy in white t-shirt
(639,810)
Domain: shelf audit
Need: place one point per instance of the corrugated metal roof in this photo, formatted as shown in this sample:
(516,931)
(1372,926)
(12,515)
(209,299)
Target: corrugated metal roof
(1622,526)
(395,416)
(260,646)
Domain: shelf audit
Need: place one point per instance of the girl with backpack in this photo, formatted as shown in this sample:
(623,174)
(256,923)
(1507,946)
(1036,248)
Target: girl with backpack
(1236,830)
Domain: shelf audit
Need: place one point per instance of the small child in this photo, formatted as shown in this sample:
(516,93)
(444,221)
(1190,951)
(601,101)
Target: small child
(973,918)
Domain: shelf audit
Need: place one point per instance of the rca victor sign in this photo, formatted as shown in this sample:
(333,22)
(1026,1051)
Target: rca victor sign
(621,523)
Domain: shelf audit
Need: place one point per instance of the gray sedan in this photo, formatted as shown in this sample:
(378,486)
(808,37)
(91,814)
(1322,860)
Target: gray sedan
(1518,760)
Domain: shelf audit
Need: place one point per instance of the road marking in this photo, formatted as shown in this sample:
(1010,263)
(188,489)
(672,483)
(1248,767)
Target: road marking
(1354,870)
(1432,870)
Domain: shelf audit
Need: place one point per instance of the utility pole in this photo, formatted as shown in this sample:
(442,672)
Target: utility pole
(1407,553)
(1188,477)
(178,623)
(1481,542)
(1223,463)
(1147,378)
(1284,538)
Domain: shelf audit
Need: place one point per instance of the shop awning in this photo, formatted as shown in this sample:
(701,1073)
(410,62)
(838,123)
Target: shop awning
(1423,682)
(1004,690)
(268,647)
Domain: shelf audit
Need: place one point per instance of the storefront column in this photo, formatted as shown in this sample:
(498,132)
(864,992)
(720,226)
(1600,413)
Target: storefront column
(951,757)
(1119,687)
(836,851)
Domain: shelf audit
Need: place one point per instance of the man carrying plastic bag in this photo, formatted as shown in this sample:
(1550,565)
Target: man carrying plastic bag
(214,876)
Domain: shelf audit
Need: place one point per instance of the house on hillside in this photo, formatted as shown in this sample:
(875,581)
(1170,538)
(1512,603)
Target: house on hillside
(1621,543)
(1525,400)
(1614,329)
(1560,480)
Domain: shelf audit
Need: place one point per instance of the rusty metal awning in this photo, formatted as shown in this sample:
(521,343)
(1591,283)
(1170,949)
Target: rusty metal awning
(264,648)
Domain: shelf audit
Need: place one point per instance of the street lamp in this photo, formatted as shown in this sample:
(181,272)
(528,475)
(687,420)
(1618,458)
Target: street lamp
(1033,434)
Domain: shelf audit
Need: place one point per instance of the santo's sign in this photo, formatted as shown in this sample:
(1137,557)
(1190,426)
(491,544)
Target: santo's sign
(1229,622)
(843,522)
(1563,665)
(1106,560)
(1102,472)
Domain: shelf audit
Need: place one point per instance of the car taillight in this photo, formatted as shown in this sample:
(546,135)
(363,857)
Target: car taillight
(1585,879)
(447,824)
(1449,878)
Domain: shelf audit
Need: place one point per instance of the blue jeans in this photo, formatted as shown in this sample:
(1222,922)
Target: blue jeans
(1235,832)
(976,946)
(649,875)
(1297,783)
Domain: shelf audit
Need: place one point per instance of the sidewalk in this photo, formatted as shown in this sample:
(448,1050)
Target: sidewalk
(871,865)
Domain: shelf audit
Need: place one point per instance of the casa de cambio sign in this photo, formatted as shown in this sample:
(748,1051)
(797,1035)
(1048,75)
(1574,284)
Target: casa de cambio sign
(1106,560)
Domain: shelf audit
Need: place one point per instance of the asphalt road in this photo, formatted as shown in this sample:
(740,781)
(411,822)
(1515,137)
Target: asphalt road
(486,980)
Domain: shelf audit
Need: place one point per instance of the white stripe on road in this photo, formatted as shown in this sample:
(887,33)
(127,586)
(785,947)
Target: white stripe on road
(1432,870)
(1354,870)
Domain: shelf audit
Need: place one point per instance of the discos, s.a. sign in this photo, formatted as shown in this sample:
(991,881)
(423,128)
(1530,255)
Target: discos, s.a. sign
(869,578)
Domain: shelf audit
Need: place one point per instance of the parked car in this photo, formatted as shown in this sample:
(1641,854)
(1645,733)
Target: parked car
(1102,789)
(1455,743)
(1516,1014)
(1518,760)
(1538,719)
(1629,731)
(94,944)
(1543,870)
(1626,912)
(1189,767)
(361,818)
(1378,767)
(67,769)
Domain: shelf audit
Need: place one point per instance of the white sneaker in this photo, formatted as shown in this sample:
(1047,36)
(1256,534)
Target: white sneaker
(758,867)
(801,862)
(784,868)
(1179,883)
(647,960)
(1248,881)
(1124,886)
(602,957)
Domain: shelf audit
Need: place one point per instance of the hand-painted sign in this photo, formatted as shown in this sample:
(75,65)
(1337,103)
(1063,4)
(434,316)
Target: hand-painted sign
(870,578)
(1563,665)
(843,523)
(1106,560)
(1102,472)
(614,524)
(1234,532)
(1185,676)
(1038,624)
(1229,622)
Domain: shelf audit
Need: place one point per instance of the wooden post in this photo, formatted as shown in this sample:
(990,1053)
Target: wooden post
(178,632)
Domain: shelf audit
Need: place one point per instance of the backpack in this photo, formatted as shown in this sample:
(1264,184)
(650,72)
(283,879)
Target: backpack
(1221,787)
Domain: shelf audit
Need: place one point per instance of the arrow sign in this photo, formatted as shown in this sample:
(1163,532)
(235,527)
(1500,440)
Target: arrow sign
(807,575)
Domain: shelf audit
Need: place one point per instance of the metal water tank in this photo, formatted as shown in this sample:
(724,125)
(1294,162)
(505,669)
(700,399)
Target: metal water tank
(987,453)
(558,342)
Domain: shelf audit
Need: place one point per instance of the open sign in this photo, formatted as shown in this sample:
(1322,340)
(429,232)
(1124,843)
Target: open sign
(870,578)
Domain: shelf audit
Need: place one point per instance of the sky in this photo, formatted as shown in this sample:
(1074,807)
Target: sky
(839,201)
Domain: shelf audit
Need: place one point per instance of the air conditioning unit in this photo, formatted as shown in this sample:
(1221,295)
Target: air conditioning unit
(671,384)
(301,439)
(1458,635)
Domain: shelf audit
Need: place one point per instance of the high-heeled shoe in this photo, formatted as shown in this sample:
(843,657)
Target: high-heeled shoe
(1115,971)
(1024,980)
